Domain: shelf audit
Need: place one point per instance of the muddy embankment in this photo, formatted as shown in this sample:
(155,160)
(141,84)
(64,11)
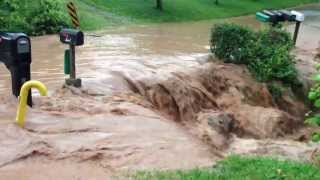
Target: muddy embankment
(149,102)
(179,119)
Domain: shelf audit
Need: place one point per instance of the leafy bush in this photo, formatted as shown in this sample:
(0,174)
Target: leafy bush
(278,65)
(267,52)
(276,37)
(233,43)
(314,96)
(36,18)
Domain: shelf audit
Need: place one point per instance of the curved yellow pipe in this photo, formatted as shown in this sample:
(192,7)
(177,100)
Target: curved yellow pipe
(21,112)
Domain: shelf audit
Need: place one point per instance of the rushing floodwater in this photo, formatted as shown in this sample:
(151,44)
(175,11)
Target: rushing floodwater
(131,47)
(79,136)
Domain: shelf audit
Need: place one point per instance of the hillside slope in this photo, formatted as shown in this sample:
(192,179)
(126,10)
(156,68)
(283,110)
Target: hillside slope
(186,10)
(46,16)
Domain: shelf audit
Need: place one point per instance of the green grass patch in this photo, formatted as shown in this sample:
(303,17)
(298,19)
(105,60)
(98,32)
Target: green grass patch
(27,16)
(188,10)
(240,168)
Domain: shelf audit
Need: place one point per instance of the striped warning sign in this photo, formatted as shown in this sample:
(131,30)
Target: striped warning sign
(73,14)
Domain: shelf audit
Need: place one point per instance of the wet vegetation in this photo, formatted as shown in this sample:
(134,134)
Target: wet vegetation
(313,118)
(235,168)
(47,16)
(36,18)
(267,53)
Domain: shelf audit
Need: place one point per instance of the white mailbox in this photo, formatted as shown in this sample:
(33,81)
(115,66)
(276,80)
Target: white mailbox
(299,16)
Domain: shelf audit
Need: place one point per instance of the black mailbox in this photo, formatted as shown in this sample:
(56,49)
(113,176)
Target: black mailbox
(280,16)
(15,53)
(72,37)
(287,15)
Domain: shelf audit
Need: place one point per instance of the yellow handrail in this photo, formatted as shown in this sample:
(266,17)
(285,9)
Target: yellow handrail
(21,112)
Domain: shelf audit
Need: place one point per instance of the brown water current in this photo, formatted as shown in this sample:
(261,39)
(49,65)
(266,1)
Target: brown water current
(152,97)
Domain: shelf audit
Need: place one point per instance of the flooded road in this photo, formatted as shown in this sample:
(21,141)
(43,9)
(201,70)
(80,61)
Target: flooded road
(121,49)
(131,47)
(149,100)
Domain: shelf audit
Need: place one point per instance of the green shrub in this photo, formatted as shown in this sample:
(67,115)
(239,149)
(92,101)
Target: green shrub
(277,65)
(232,42)
(313,118)
(267,52)
(36,18)
(276,37)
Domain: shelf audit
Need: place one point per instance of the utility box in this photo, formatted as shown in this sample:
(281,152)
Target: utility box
(72,37)
(15,53)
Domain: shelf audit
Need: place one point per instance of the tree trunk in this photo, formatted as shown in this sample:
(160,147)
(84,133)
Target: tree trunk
(159,5)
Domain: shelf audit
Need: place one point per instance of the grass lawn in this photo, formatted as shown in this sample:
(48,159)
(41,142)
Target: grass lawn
(240,168)
(98,14)
(174,10)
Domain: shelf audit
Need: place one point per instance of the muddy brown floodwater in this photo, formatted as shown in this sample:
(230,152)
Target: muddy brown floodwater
(152,97)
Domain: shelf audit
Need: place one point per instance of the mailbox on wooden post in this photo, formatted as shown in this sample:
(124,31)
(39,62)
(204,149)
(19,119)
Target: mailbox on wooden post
(299,19)
(275,17)
(73,38)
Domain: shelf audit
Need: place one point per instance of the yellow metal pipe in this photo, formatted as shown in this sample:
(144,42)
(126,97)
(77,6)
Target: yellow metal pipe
(21,112)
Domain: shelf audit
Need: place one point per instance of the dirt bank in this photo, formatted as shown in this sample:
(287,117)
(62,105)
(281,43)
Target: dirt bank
(150,100)
(166,119)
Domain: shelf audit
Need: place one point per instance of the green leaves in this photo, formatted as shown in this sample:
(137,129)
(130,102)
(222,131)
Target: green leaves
(314,96)
(273,60)
(318,67)
(313,120)
(232,42)
(316,137)
(316,77)
(267,52)
(36,18)
(317,103)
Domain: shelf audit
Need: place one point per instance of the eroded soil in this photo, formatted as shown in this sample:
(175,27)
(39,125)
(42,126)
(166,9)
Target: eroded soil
(146,106)
(184,119)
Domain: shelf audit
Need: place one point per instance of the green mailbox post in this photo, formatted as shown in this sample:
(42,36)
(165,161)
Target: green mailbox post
(73,38)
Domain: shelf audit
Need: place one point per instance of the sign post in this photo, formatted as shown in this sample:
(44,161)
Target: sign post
(73,14)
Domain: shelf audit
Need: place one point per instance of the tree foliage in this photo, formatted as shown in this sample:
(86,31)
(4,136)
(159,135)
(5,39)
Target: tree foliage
(159,4)
(36,18)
